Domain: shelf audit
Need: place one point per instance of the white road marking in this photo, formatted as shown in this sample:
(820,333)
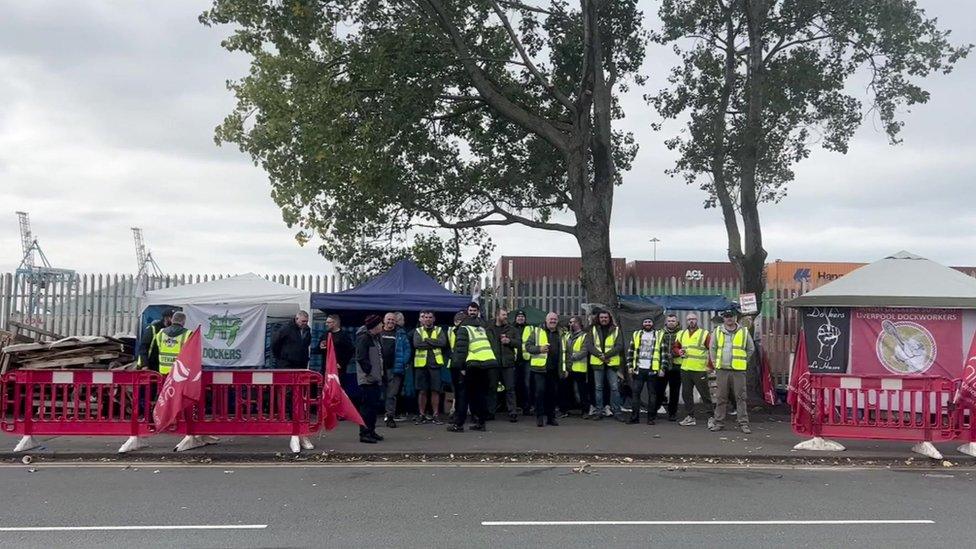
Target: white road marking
(133,527)
(695,522)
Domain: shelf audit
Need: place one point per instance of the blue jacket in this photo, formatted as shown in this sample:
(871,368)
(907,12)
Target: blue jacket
(403,351)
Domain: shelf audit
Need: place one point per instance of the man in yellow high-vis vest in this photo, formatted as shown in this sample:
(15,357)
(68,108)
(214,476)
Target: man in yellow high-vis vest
(605,345)
(430,355)
(576,363)
(693,350)
(170,341)
(472,356)
(148,352)
(548,364)
(730,349)
(646,366)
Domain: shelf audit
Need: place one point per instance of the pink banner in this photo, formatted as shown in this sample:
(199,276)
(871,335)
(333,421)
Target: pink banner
(906,342)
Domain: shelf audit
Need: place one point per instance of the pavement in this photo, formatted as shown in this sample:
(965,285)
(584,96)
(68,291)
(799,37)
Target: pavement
(479,505)
(772,441)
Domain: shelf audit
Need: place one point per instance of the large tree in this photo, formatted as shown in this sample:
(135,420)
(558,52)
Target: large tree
(762,81)
(375,118)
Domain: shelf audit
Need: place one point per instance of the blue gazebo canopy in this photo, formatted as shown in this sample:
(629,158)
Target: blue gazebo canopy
(403,288)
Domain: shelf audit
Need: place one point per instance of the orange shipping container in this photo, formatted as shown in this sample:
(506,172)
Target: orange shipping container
(791,272)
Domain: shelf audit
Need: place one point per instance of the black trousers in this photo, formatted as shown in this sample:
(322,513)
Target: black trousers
(582,385)
(672,382)
(546,384)
(369,405)
(475,382)
(642,379)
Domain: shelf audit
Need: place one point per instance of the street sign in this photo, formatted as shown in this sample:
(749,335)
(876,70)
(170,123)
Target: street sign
(747,304)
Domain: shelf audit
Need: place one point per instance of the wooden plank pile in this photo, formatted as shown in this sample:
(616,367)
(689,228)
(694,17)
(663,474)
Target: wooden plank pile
(94,352)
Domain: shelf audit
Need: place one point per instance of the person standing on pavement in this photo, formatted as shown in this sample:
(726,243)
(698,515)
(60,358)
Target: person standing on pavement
(646,367)
(576,358)
(148,352)
(506,343)
(730,349)
(524,392)
(169,342)
(547,346)
(291,344)
(430,355)
(369,376)
(396,355)
(473,356)
(605,347)
(693,350)
(457,380)
(670,378)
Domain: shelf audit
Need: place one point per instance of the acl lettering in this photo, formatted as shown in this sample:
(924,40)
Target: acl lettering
(222,354)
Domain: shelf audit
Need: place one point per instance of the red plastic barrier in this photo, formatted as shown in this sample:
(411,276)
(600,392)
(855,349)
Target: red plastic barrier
(78,402)
(256,402)
(876,407)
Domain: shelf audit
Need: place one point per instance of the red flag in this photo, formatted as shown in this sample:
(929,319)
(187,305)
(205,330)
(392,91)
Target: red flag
(335,403)
(182,387)
(769,390)
(966,396)
(799,397)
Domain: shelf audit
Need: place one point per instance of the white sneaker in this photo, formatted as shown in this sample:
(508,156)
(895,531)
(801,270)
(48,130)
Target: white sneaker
(592,411)
(607,412)
(626,409)
(711,422)
(733,413)
(688,421)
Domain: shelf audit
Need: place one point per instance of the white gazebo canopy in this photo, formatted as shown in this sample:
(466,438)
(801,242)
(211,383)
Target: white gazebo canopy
(899,280)
(246,289)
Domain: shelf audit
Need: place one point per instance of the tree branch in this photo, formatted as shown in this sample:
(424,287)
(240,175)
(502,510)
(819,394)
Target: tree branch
(558,95)
(498,101)
(521,6)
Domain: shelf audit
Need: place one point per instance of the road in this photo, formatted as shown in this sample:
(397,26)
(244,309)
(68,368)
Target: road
(420,505)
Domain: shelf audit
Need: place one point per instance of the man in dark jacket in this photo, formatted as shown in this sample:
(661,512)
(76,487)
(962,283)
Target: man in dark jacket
(546,347)
(506,344)
(473,357)
(344,348)
(523,389)
(148,352)
(369,375)
(291,343)
(671,380)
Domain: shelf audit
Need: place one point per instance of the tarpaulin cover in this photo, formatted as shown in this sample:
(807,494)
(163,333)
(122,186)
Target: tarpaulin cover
(685,302)
(403,288)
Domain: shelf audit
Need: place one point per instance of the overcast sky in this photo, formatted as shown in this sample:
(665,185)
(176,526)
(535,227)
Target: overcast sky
(107,112)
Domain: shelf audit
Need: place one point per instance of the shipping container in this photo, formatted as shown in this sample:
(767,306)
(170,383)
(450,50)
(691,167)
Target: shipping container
(682,270)
(817,273)
(525,268)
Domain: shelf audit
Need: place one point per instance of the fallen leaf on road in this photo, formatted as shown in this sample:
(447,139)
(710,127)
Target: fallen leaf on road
(228,472)
(31,470)
(26,460)
(948,463)
(156,472)
(628,459)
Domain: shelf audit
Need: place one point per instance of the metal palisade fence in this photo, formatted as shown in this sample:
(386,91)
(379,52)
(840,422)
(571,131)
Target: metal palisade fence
(108,304)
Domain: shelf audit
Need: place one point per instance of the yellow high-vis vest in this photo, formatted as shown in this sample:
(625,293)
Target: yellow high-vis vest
(420,357)
(655,356)
(740,358)
(578,366)
(538,361)
(479,347)
(696,353)
(169,349)
(605,346)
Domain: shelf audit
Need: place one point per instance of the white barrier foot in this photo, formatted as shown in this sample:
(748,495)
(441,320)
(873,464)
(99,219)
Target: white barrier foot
(306,443)
(969,449)
(27,442)
(820,444)
(189,442)
(927,449)
(209,439)
(295,445)
(133,443)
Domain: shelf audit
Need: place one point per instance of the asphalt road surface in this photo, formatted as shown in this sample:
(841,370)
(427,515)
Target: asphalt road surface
(482,506)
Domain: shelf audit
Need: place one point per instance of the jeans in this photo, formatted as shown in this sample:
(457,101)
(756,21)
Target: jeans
(672,382)
(545,393)
(394,382)
(737,381)
(610,375)
(369,405)
(644,379)
(691,381)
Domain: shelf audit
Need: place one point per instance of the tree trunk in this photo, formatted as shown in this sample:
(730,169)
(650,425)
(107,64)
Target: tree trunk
(597,270)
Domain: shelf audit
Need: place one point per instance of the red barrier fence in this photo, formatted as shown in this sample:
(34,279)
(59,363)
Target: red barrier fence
(80,402)
(257,402)
(120,403)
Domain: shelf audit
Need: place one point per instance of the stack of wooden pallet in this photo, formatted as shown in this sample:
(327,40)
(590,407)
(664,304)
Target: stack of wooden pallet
(95,352)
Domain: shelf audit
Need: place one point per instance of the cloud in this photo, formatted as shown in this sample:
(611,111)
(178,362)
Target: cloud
(107,113)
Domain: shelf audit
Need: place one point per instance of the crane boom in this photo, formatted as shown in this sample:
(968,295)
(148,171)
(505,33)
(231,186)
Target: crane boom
(26,240)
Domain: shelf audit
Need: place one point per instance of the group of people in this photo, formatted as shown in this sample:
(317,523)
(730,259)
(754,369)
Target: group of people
(546,371)
(515,368)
